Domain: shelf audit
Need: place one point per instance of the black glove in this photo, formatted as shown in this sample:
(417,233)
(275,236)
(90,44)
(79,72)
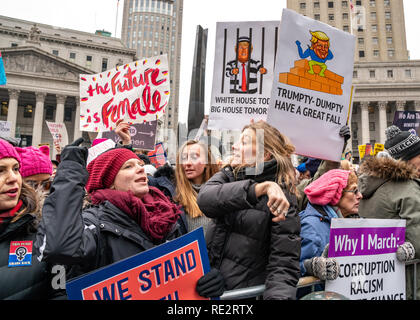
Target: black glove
(211,285)
(345,133)
(74,152)
(322,268)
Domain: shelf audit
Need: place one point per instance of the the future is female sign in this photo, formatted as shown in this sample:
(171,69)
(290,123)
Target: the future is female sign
(137,92)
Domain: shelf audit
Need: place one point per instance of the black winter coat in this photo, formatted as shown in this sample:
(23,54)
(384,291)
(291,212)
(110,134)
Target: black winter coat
(23,282)
(86,238)
(244,243)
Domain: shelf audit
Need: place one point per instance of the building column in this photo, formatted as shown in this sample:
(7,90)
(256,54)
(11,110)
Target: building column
(77,132)
(59,111)
(38,119)
(364,106)
(12,110)
(417,105)
(400,105)
(382,121)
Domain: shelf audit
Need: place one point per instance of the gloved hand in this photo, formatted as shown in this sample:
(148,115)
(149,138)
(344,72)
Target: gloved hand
(322,268)
(345,133)
(211,285)
(406,252)
(74,152)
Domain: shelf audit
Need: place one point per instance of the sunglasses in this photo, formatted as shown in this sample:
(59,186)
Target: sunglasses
(355,191)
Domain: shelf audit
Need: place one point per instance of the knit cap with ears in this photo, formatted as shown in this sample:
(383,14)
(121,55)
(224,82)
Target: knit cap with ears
(8,151)
(328,189)
(35,161)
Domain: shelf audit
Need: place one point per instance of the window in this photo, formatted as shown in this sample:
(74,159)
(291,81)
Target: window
(361,41)
(408,73)
(104,64)
(387,3)
(49,113)
(391,53)
(302,5)
(358,3)
(355,74)
(68,114)
(346,28)
(55,52)
(374,28)
(372,73)
(388,27)
(372,126)
(72,56)
(376,53)
(28,111)
(390,73)
(4,108)
(13,44)
(373,15)
(331,17)
(389,40)
(317,17)
(330,4)
(316,5)
(375,40)
(372,3)
(89,61)
(387,15)
(361,54)
(344,4)
(345,16)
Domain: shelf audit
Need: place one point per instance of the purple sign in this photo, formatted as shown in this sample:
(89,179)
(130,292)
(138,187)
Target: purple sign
(346,242)
(143,135)
(408,121)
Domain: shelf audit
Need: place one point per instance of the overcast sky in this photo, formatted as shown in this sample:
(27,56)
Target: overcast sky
(91,15)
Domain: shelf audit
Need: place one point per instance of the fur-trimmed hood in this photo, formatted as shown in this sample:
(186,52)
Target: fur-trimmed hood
(374,172)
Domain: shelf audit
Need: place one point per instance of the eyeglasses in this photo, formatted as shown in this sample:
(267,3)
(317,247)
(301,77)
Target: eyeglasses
(46,184)
(355,191)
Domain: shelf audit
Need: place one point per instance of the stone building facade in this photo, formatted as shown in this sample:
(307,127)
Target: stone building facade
(43,64)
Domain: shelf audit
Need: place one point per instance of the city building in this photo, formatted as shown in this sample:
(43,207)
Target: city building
(384,78)
(154,27)
(43,64)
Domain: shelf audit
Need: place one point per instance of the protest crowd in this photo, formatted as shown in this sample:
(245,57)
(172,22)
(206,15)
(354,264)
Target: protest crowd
(267,214)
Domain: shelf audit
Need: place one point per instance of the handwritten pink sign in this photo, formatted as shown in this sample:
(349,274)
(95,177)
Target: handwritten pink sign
(137,92)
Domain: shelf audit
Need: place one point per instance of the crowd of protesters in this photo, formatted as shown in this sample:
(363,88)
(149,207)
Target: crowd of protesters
(265,220)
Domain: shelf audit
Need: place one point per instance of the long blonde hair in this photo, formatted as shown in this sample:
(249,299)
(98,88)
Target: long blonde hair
(281,149)
(185,194)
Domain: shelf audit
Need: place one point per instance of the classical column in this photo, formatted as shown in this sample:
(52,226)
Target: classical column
(77,132)
(382,121)
(364,106)
(12,110)
(38,119)
(417,105)
(59,111)
(400,105)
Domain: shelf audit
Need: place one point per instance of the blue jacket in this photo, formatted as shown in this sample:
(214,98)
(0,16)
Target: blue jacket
(311,53)
(315,232)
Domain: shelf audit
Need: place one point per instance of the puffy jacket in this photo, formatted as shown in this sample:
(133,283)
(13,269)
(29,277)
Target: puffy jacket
(315,233)
(86,238)
(23,282)
(391,190)
(243,242)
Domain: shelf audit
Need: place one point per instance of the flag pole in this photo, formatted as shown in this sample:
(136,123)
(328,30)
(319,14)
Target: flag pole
(116,19)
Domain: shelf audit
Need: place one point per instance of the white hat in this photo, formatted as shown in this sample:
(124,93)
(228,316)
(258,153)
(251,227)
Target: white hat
(149,169)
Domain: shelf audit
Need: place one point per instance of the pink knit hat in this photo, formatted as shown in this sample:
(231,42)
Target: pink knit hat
(328,188)
(35,161)
(8,151)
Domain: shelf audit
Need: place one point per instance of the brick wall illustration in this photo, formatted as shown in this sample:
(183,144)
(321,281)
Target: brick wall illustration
(299,77)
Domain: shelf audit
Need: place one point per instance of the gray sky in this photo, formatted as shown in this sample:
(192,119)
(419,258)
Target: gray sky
(90,15)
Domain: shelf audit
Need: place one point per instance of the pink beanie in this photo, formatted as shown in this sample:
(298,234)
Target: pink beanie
(328,188)
(98,141)
(35,161)
(8,151)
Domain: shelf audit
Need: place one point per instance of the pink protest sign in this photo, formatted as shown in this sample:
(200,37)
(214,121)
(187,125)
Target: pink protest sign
(137,92)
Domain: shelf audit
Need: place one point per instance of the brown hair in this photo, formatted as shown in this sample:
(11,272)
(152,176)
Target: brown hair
(281,149)
(185,194)
(351,180)
(31,202)
(345,165)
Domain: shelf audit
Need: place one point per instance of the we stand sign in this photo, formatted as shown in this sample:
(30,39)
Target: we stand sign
(366,251)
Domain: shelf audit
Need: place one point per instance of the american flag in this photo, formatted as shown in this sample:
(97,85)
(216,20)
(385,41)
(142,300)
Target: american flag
(351,5)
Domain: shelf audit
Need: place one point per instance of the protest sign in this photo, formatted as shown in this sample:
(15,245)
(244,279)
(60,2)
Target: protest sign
(59,133)
(167,272)
(158,155)
(5,129)
(98,149)
(408,121)
(311,92)
(366,251)
(3,79)
(143,135)
(378,148)
(136,92)
(243,73)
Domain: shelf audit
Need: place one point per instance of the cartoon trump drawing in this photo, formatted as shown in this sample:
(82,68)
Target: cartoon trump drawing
(319,52)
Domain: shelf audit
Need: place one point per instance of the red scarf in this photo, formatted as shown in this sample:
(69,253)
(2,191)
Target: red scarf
(8,215)
(154,213)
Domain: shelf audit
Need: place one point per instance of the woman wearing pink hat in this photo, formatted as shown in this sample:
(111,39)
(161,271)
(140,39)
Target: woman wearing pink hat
(22,276)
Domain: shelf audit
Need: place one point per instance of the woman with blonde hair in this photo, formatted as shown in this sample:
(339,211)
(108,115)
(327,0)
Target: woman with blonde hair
(195,165)
(246,243)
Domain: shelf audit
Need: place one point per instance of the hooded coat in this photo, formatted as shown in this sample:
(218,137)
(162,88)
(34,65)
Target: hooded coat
(243,242)
(391,190)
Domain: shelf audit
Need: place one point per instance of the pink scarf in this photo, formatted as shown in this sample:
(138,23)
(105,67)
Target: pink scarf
(154,213)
